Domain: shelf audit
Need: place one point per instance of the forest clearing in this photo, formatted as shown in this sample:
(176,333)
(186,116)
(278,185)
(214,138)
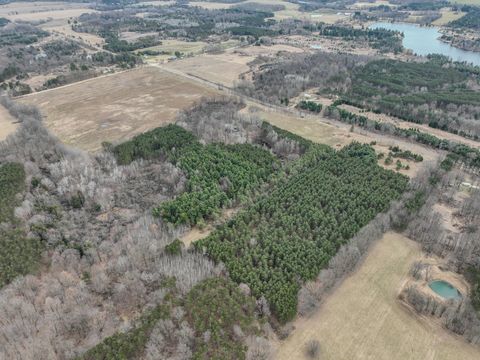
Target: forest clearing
(7,125)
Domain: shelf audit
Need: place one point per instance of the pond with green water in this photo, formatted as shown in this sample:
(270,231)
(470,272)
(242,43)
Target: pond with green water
(445,289)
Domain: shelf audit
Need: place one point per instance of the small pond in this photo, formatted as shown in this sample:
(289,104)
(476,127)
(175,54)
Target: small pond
(424,40)
(445,289)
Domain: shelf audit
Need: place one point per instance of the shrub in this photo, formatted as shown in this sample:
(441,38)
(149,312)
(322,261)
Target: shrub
(312,349)
(78,200)
(174,248)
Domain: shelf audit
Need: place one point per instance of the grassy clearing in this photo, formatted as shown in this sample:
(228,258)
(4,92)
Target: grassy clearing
(222,68)
(363,319)
(308,128)
(449,15)
(170,46)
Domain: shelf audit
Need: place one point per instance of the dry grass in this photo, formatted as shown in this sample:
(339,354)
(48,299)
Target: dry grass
(115,107)
(226,68)
(448,15)
(169,47)
(308,127)
(7,123)
(363,319)
(15,10)
(223,68)
(196,233)
(157,3)
(185,47)
(272,50)
(210,5)
(132,36)
(466,2)
(329,16)
(55,15)
(366,5)
(291,9)
(43,13)
(64,30)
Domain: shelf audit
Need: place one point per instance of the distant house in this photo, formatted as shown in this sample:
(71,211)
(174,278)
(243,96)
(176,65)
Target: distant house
(40,56)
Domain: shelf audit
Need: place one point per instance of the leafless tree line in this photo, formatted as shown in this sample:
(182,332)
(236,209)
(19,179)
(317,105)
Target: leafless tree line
(457,316)
(295,73)
(459,249)
(219,120)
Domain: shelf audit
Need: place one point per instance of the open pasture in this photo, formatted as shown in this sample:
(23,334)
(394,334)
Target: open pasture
(362,318)
(226,68)
(223,68)
(42,11)
(115,107)
(447,16)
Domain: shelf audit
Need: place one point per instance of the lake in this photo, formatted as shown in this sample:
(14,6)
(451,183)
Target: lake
(424,40)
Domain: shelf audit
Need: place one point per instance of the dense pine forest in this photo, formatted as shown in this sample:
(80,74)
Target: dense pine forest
(220,236)
(217,174)
(418,92)
(18,254)
(288,235)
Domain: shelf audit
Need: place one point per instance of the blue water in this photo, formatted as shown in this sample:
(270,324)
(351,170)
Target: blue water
(424,40)
(444,289)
